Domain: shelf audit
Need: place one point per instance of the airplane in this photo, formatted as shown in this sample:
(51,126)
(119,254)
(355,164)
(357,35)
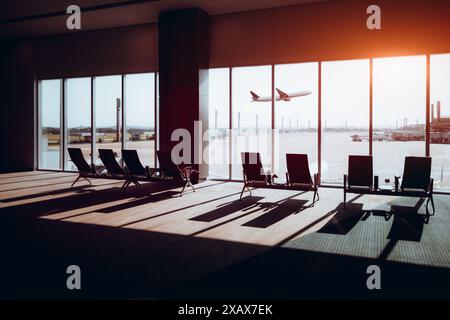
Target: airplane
(281,96)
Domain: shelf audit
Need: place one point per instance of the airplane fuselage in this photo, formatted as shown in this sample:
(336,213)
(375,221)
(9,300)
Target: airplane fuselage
(281,96)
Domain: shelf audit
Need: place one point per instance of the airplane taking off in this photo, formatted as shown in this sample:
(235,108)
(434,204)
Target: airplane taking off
(281,96)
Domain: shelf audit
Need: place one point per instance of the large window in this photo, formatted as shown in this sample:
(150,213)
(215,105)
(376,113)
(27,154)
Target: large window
(219,122)
(140,116)
(108,113)
(95,117)
(345,115)
(399,89)
(296,119)
(251,117)
(50,124)
(440,120)
(78,112)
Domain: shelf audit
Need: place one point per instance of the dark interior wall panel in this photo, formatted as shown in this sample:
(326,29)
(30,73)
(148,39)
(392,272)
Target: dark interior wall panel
(242,38)
(17,108)
(141,49)
(2,106)
(104,52)
(183,51)
(330,30)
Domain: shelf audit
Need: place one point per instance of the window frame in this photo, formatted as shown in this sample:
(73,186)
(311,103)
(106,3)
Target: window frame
(63,117)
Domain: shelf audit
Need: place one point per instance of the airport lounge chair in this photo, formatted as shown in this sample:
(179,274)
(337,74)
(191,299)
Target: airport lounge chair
(416,180)
(360,177)
(253,172)
(134,166)
(298,175)
(169,171)
(115,171)
(85,171)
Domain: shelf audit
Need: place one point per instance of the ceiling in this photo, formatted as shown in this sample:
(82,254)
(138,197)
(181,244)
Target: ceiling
(19,18)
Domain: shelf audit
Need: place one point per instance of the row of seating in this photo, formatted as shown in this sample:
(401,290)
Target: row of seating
(133,172)
(415,182)
(298,175)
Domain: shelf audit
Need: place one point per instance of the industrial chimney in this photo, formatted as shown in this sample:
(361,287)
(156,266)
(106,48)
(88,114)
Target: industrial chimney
(432,113)
(438,111)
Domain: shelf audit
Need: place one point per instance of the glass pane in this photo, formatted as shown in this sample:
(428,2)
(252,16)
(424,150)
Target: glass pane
(108,113)
(251,117)
(50,124)
(440,124)
(78,111)
(296,119)
(219,121)
(399,86)
(140,116)
(345,115)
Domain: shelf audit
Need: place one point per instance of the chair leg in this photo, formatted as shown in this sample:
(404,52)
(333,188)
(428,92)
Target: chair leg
(125,185)
(191,185)
(137,184)
(432,204)
(345,198)
(76,180)
(314,198)
(242,192)
(184,187)
(90,183)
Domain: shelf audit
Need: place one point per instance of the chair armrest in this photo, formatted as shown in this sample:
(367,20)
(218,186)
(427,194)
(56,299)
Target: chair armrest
(244,176)
(96,169)
(187,171)
(376,182)
(397,183)
(149,172)
(316,179)
(431,186)
(345,181)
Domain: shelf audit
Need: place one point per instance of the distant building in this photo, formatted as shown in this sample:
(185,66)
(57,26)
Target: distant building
(440,126)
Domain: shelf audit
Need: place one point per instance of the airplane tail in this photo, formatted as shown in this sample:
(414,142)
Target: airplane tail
(254,95)
(282,94)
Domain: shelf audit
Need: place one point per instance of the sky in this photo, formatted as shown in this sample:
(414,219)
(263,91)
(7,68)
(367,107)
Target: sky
(399,92)
(139,95)
(399,86)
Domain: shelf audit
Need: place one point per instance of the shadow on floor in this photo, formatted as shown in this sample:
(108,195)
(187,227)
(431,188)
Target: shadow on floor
(345,219)
(120,263)
(407,226)
(229,208)
(278,213)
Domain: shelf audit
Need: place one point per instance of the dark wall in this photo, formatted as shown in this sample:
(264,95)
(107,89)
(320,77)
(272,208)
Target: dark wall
(103,52)
(2,94)
(17,135)
(330,30)
(183,51)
